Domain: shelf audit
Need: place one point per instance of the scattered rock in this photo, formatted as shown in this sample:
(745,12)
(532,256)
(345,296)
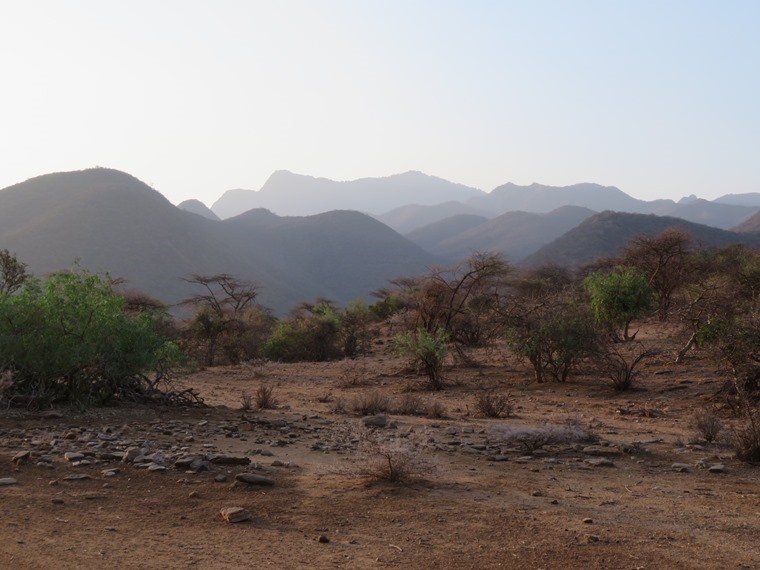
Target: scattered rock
(235,514)
(588,520)
(21,457)
(72,456)
(51,415)
(230,460)
(680,467)
(600,451)
(221,478)
(380,420)
(253,479)
(323,539)
(7,481)
(130,454)
(537,494)
(592,538)
(717,468)
(600,462)
(77,477)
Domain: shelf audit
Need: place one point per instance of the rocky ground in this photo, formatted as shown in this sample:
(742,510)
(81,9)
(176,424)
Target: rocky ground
(628,485)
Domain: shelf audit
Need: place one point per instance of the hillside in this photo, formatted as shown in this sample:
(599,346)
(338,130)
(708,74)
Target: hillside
(514,234)
(199,208)
(412,217)
(112,222)
(605,234)
(289,194)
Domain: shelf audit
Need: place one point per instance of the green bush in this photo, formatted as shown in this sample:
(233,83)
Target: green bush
(311,337)
(68,339)
(619,297)
(427,351)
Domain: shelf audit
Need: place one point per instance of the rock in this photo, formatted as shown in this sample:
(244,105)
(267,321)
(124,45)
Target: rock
(156,467)
(537,494)
(253,479)
(592,538)
(235,514)
(600,451)
(130,454)
(717,468)
(588,521)
(323,539)
(380,420)
(73,456)
(680,467)
(57,501)
(7,481)
(600,462)
(230,460)
(109,472)
(497,458)
(21,457)
(221,478)
(77,477)
(51,415)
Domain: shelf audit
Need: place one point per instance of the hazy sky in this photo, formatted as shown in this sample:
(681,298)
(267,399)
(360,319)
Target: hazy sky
(658,97)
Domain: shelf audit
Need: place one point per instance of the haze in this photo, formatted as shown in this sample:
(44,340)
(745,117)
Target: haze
(195,98)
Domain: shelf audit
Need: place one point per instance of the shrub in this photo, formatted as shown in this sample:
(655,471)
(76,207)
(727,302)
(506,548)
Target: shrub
(410,404)
(427,351)
(533,438)
(396,460)
(68,338)
(370,403)
(310,336)
(707,425)
(264,397)
(619,297)
(436,410)
(747,437)
(246,401)
(492,404)
(621,366)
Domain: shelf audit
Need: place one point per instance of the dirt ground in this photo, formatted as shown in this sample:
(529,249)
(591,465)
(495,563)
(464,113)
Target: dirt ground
(478,504)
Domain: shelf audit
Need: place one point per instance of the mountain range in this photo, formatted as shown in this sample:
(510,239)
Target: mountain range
(112,222)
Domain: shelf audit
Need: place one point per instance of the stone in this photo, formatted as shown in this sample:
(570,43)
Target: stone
(230,460)
(130,454)
(235,514)
(77,477)
(323,538)
(21,457)
(379,420)
(51,415)
(156,467)
(253,479)
(601,451)
(57,501)
(600,462)
(588,520)
(221,478)
(72,456)
(717,468)
(7,481)
(680,467)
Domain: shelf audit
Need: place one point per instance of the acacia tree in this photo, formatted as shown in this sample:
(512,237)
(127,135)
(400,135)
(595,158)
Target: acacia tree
(619,297)
(664,260)
(222,308)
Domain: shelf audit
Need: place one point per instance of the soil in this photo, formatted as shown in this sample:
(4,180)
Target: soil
(475,502)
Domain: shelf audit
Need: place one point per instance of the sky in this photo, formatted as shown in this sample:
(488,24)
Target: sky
(660,98)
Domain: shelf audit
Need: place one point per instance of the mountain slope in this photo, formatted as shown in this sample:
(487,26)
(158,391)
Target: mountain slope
(199,208)
(113,222)
(414,216)
(514,234)
(607,233)
(289,194)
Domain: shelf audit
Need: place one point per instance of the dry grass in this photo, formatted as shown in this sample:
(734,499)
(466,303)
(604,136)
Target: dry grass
(264,397)
(706,425)
(530,439)
(492,404)
(370,403)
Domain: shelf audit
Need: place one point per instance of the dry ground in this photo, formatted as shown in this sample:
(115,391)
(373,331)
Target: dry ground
(467,512)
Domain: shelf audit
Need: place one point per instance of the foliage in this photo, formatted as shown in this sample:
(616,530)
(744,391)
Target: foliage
(427,351)
(13,273)
(619,297)
(227,315)
(553,339)
(68,339)
(355,333)
(312,334)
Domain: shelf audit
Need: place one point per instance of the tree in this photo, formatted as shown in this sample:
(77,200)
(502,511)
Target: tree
(223,307)
(664,260)
(619,297)
(67,338)
(312,334)
(13,273)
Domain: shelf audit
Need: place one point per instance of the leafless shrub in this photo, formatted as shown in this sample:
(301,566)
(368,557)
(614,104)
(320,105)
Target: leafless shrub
(493,404)
(747,437)
(436,410)
(706,425)
(532,438)
(353,374)
(395,459)
(325,398)
(246,401)
(410,404)
(620,364)
(339,407)
(264,397)
(370,403)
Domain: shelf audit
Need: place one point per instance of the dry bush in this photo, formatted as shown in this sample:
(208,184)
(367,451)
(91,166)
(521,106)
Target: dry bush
(436,410)
(264,397)
(394,459)
(493,404)
(353,374)
(706,425)
(532,438)
(246,401)
(621,365)
(325,398)
(370,403)
(747,437)
(339,407)
(410,404)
